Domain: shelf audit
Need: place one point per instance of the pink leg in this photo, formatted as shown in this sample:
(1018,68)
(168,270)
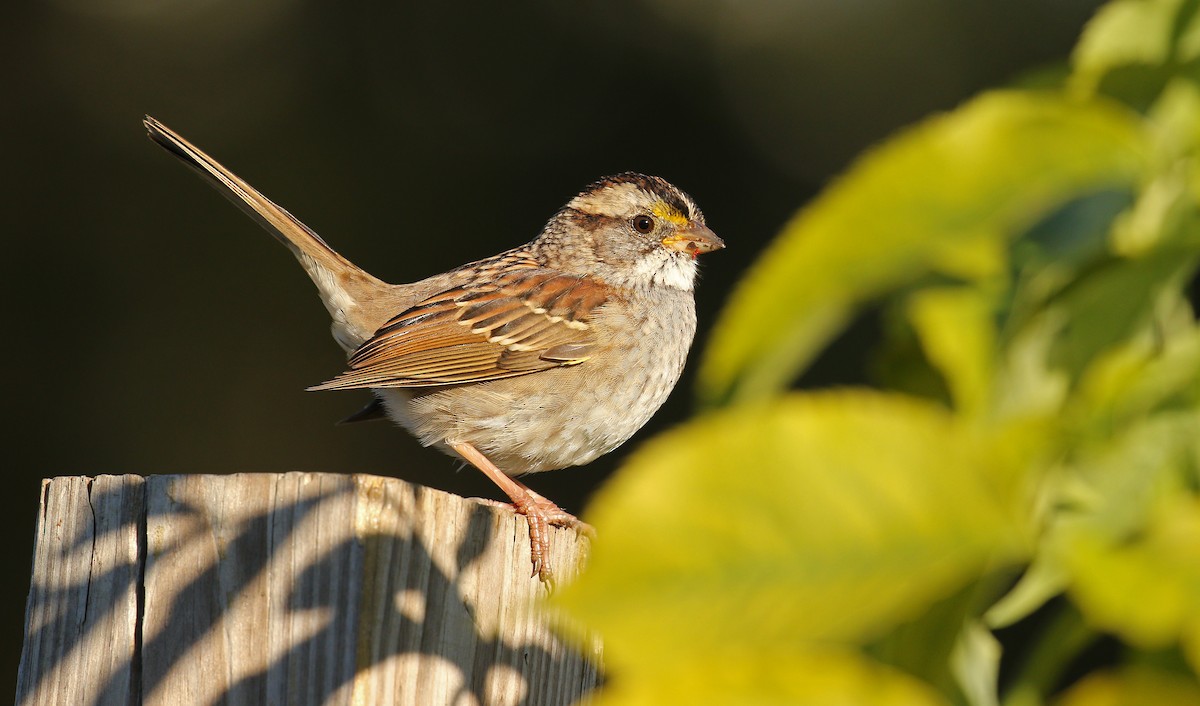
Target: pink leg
(539,511)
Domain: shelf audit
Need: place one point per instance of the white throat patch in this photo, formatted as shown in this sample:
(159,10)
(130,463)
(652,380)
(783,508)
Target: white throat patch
(669,270)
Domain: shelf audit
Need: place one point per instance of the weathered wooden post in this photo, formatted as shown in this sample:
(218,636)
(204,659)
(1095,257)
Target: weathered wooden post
(299,588)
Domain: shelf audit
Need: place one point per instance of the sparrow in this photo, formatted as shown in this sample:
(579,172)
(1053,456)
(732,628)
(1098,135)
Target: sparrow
(545,356)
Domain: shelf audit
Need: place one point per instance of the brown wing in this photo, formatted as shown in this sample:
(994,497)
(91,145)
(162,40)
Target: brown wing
(520,322)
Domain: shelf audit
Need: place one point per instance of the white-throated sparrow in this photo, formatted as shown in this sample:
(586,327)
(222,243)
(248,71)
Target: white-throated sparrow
(542,357)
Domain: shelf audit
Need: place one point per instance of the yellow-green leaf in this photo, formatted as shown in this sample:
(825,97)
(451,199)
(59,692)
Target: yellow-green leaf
(1044,579)
(826,517)
(770,677)
(1132,48)
(1145,589)
(976,664)
(1133,687)
(1124,33)
(1030,387)
(1130,381)
(1115,302)
(1175,120)
(943,196)
(1116,483)
(959,337)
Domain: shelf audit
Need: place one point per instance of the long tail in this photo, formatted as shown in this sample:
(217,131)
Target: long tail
(345,288)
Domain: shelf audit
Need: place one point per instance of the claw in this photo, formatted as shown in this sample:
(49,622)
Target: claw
(538,511)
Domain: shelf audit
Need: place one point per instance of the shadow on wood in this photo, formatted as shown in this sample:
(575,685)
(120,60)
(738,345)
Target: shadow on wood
(297,588)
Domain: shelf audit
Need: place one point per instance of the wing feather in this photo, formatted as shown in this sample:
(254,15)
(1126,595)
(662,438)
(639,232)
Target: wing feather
(520,320)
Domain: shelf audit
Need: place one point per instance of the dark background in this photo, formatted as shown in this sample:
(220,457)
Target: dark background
(154,329)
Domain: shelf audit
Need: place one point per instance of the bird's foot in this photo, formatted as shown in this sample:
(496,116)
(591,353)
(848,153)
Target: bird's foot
(538,511)
(541,513)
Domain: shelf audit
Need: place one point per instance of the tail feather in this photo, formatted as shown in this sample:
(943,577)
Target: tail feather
(344,287)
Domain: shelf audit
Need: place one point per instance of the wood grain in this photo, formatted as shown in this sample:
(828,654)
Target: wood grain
(81,628)
(296,588)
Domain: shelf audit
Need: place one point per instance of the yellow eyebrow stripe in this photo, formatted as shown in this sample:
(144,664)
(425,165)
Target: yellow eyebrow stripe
(667,213)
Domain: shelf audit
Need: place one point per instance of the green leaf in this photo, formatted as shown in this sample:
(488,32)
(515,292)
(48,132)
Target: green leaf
(1123,33)
(1146,374)
(770,677)
(828,517)
(1147,588)
(1132,48)
(1123,459)
(923,647)
(1114,303)
(1133,687)
(1044,579)
(1175,120)
(976,663)
(1072,236)
(958,334)
(942,197)
(1116,483)
(1031,387)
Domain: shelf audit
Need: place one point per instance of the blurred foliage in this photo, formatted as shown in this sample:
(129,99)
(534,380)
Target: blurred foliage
(1027,465)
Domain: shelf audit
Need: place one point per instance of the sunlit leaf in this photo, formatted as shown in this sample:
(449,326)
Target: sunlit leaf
(1031,256)
(944,196)
(1068,239)
(1147,587)
(1162,202)
(1133,47)
(1134,379)
(1133,687)
(817,518)
(1124,32)
(976,663)
(1044,579)
(923,646)
(957,330)
(773,676)
(1113,303)
(1031,386)
(1175,119)
(1115,483)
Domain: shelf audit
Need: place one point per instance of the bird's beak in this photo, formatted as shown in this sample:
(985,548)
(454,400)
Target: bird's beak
(694,240)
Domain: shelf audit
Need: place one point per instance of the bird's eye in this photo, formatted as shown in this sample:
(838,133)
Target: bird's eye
(643,224)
